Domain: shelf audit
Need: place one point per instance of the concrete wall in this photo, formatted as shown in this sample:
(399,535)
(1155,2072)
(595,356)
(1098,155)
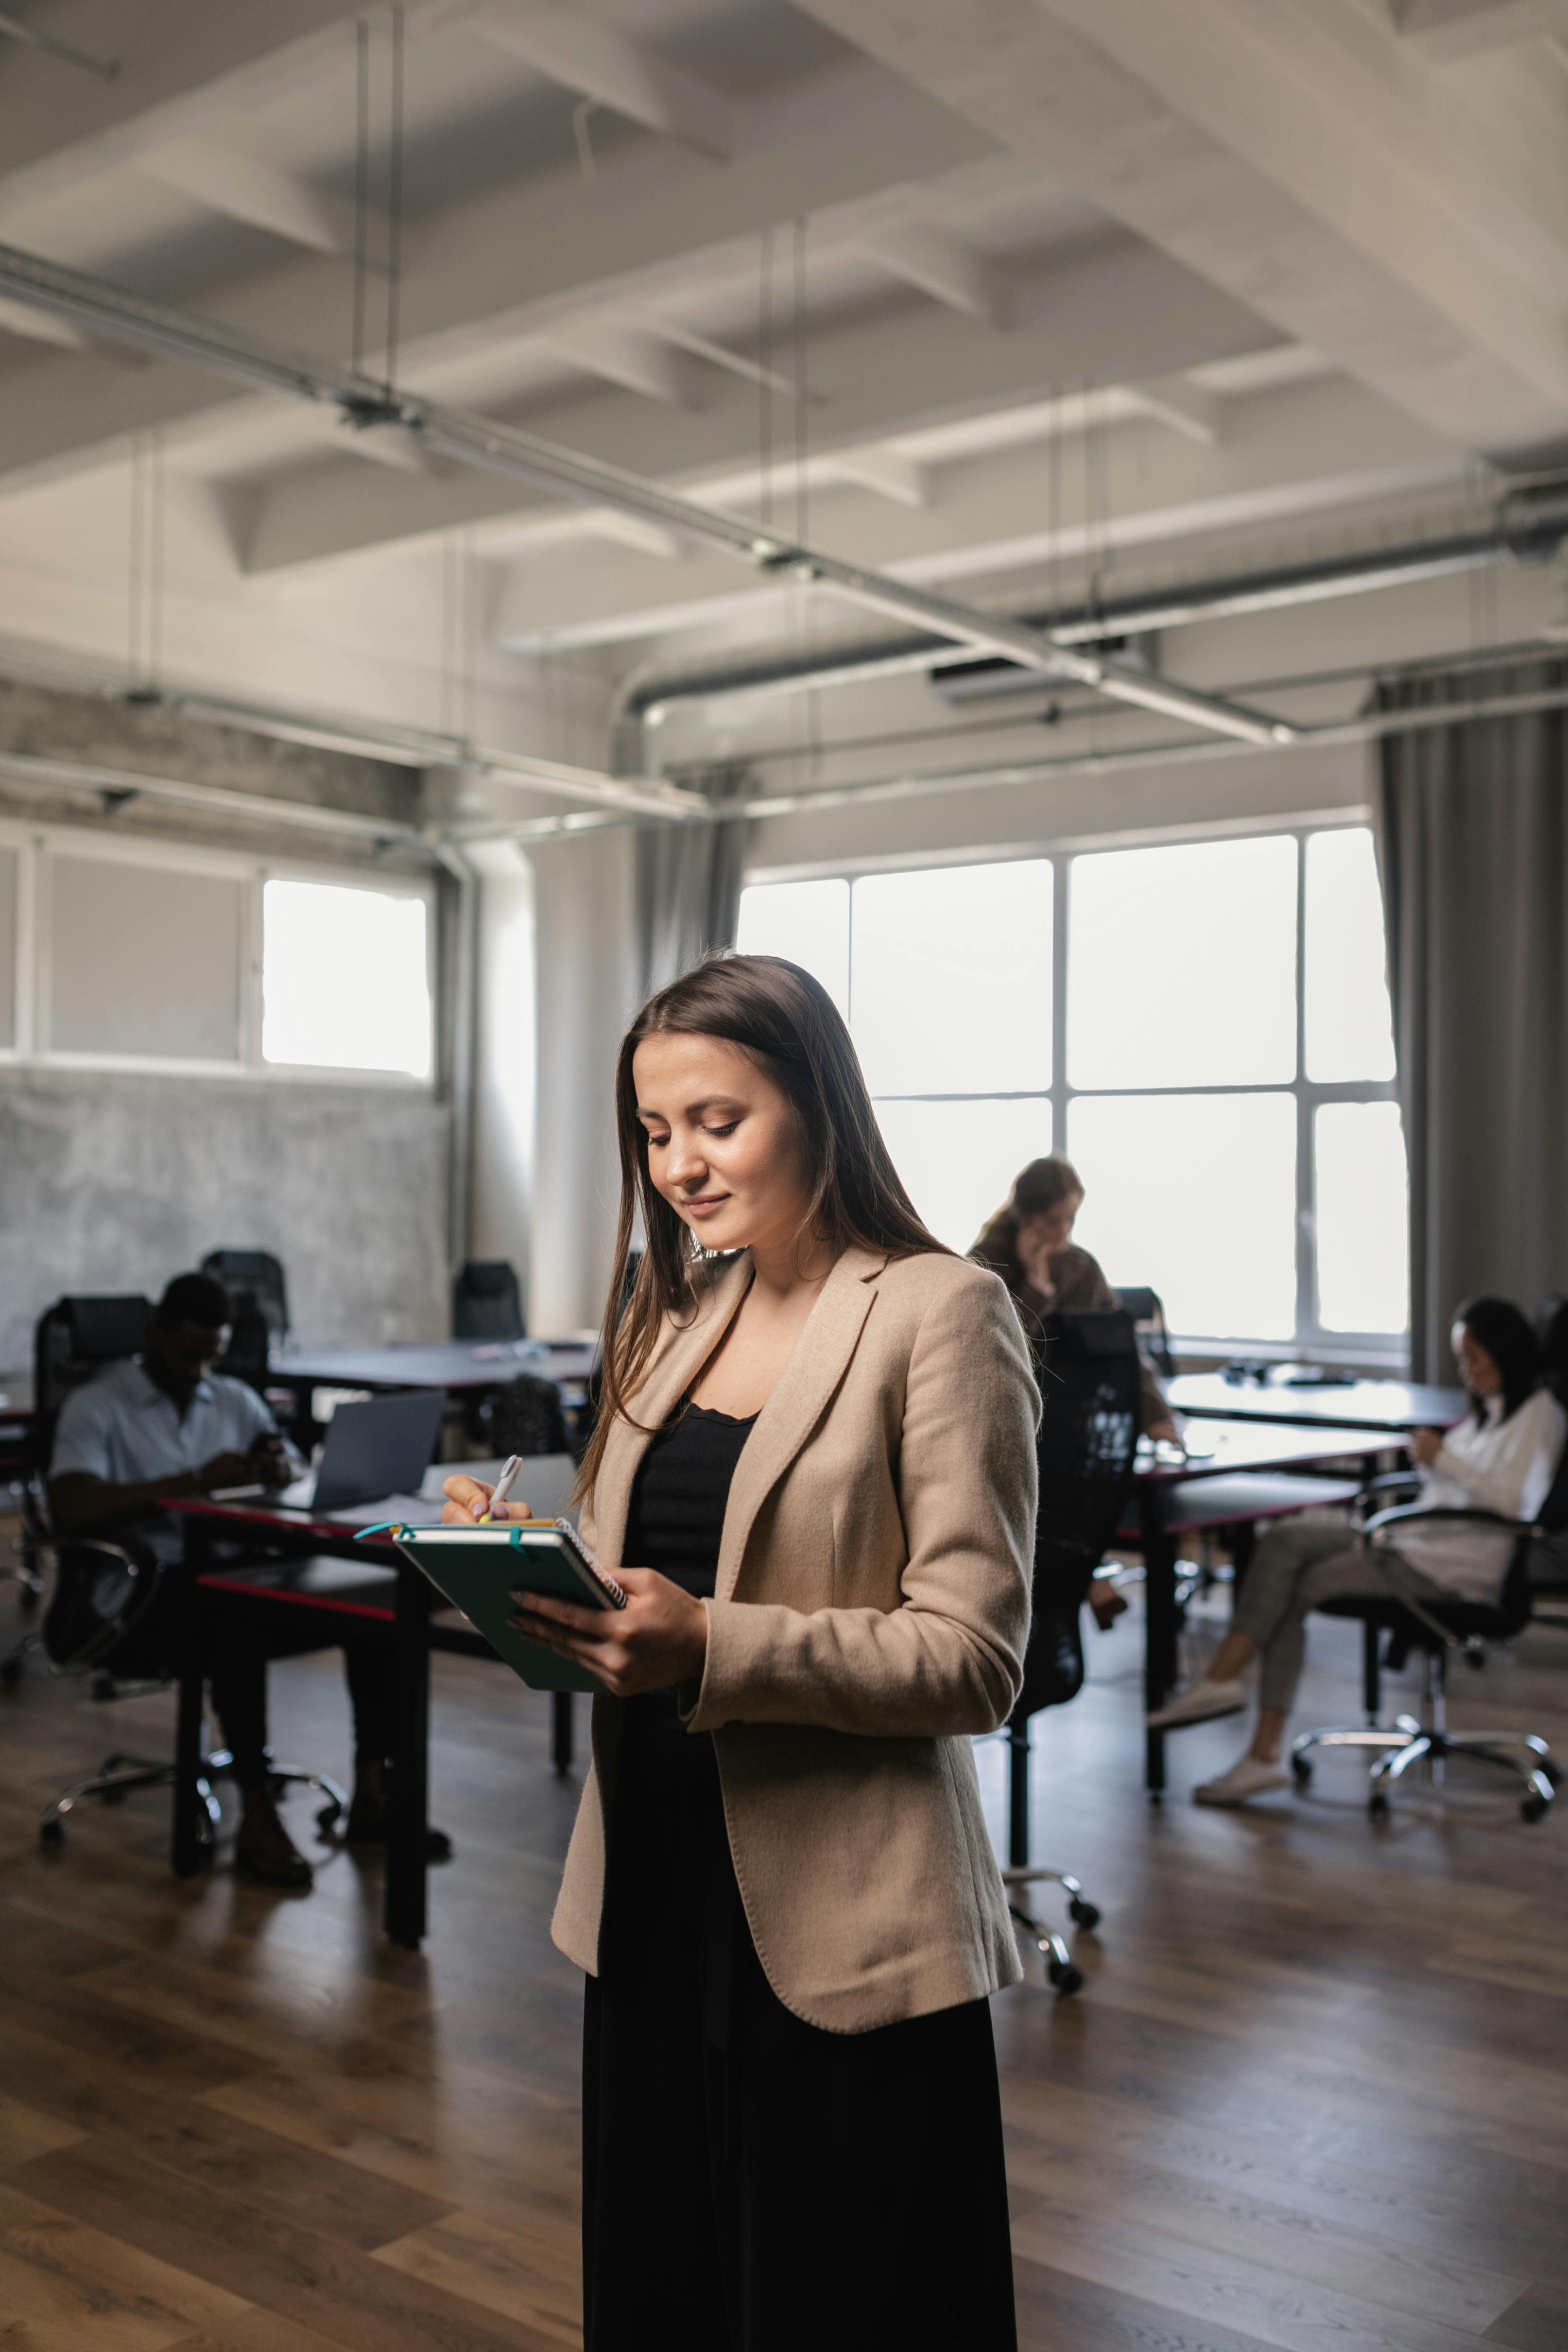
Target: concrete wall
(111,1183)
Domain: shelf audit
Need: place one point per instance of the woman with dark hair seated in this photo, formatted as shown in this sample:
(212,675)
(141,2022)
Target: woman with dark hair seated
(1029,1244)
(1502,1458)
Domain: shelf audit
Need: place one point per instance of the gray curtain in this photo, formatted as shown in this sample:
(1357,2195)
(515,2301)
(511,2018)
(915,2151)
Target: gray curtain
(1472,838)
(688,886)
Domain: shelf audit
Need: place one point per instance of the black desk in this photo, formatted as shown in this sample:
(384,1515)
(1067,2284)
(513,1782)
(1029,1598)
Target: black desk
(1393,1406)
(421,1622)
(1244,1471)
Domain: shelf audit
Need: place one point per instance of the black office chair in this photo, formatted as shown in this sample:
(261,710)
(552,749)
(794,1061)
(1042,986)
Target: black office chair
(486,1303)
(257,1275)
(1436,1630)
(1090,1381)
(73,1340)
(1147,1311)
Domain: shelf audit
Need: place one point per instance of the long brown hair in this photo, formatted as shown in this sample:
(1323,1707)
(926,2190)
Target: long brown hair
(1037,1188)
(790,1026)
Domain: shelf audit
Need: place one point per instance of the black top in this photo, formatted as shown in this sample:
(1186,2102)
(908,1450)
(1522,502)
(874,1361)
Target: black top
(678,1499)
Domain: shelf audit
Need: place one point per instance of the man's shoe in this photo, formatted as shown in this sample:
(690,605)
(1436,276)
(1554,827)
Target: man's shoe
(367,1815)
(1201,1704)
(1247,1778)
(264,1849)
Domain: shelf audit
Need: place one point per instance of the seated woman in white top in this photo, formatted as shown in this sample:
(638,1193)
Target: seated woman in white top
(1503,1459)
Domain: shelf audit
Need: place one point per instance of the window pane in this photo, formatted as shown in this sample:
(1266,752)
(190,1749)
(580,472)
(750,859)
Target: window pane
(1194,1195)
(143,960)
(1363,1210)
(345,983)
(951,980)
(809,922)
(958,1159)
(1350,1032)
(1182,966)
(10,866)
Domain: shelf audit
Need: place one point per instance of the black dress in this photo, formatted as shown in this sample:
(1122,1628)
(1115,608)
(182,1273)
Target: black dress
(752,2183)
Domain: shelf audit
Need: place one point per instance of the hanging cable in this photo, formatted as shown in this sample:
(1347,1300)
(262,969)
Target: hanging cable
(362,189)
(765,378)
(394,201)
(135,573)
(798,366)
(586,164)
(157,498)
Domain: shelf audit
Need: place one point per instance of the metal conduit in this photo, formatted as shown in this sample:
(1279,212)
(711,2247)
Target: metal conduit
(1530,528)
(477,441)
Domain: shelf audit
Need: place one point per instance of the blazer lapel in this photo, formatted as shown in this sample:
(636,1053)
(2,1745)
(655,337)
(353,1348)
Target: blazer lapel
(675,1367)
(819,1360)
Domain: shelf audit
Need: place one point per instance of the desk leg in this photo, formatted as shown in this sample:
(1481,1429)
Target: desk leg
(1159,1626)
(407,1798)
(186,1850)
(560,1730)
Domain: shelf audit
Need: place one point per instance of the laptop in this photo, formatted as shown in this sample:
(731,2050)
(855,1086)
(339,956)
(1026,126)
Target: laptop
(380,1448)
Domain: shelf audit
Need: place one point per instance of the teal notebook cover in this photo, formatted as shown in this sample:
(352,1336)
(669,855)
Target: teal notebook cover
(478,1569)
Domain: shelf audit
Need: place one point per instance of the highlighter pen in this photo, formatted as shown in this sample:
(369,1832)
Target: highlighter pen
(503,1485)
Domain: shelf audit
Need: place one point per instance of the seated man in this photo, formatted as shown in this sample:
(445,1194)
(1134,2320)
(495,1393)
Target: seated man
(167,1424)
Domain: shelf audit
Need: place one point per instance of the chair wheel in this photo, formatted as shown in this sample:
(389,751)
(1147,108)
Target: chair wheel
(331,1814)
(1377,1807)
(1553,1771)
(1085,1914)
(1302,1771)
(1532,1808)
(1065,1979)
(51,1836)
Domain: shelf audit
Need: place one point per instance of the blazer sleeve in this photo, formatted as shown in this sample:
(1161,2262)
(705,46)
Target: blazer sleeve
(949,1658)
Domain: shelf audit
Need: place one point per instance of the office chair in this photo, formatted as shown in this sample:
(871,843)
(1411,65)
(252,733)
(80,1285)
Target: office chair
(1090,1381)
(1436,1629)
(259,1273)
(486,1303)
(1147,1311)
(526,1417)
(73,1340)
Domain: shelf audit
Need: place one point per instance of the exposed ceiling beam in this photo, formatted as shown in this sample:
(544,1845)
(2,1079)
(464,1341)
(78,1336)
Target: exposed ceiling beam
(39,326)
(481,443)
(244,186)
(584,53)
(1446,29)
(888,473)
(1126,313)
(1185,407)
(389,444)
(625,355)
(846,145)
(633,532)
(947,269)
(1255,144)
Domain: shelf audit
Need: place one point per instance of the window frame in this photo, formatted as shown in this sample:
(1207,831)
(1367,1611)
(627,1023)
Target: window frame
(42,847)
(1380,1349)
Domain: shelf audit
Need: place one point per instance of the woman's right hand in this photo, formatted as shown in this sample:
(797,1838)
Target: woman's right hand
(469,1499)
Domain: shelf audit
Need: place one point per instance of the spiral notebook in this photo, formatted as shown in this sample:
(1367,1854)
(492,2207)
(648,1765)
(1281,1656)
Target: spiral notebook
(478,1569)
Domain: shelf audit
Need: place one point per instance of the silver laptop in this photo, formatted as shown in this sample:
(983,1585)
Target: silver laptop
(381,1447)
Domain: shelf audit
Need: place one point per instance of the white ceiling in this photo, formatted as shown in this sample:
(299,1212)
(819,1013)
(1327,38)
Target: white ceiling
(1063,276)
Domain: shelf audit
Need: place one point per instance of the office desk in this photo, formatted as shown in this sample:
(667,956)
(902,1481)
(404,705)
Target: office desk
(1393,1406)
(460,1366)
(421,1622)
(1246,1471)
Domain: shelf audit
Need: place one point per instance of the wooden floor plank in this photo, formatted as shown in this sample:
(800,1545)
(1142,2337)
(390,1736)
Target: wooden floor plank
(1314,2093)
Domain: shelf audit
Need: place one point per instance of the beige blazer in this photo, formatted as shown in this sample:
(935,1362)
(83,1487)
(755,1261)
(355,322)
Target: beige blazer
(870,1613)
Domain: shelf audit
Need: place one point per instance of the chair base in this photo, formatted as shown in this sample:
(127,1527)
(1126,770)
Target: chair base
(120,1775)
(1060,1969)
(12,1665)
(1408,1742)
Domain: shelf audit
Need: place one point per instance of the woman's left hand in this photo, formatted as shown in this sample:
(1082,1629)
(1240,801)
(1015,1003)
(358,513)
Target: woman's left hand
(658,1640)
(1426,1444)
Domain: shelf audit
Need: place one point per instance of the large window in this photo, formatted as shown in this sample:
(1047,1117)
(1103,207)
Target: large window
(1204,1027)
(345,979)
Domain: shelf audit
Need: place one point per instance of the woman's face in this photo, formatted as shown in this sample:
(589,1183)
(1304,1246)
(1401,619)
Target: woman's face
(722,1144)
(1047,1233)
(1477,1371)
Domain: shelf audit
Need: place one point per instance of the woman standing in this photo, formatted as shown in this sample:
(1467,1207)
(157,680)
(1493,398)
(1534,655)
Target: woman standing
(817,1452)
(1029,1244)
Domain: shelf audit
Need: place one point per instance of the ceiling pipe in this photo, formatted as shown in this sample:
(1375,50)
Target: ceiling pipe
(477,441)
(1531,527)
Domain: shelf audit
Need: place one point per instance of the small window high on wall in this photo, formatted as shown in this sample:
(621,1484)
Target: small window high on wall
(1202,1026)
(345,979)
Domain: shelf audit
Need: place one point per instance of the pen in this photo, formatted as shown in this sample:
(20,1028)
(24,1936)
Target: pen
(505,1483)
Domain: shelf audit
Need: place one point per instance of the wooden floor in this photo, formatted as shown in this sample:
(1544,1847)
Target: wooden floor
(1314,2094)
